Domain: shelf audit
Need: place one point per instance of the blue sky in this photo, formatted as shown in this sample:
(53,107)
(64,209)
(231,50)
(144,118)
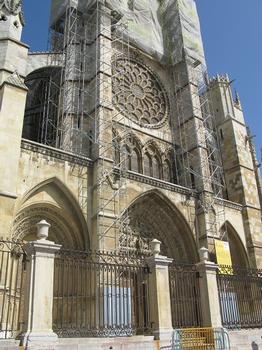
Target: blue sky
(232,32)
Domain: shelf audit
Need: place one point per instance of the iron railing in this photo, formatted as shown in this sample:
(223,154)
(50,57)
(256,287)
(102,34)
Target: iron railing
(185,296)
(12,270)
(99,294)
(240,296)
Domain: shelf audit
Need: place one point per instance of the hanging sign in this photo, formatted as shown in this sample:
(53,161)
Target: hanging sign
(223,253)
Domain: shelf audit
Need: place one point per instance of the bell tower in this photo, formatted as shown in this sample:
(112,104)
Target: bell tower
(13,57)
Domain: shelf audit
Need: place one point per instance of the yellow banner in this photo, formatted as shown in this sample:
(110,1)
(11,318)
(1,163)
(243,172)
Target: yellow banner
(223,253)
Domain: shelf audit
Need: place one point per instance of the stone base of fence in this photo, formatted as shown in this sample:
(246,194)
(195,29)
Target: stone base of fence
(9,344)
(246,339)
(122,343)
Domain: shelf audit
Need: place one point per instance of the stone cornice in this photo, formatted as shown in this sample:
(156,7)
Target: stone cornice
(8,194)
(229,204)
(231,118)
(15,41)
(157,183)
(55,153)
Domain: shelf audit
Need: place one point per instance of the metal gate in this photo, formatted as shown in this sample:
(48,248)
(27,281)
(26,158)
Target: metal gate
(185,296)
(12,271)
(99,294)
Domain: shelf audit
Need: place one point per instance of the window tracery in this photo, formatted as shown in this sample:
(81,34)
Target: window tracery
(145,159)
(138,94)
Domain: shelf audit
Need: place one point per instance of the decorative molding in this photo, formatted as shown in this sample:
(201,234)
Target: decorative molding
(14,7)
(229,204)
(55,153)
(157,183)
(16,80)
(8,194)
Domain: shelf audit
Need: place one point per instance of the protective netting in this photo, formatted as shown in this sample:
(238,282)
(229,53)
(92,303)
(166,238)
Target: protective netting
(164,29)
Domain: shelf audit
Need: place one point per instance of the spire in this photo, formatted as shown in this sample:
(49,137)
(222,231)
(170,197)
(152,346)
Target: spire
(237,100)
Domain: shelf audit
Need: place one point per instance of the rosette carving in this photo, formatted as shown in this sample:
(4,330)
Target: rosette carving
(138,94)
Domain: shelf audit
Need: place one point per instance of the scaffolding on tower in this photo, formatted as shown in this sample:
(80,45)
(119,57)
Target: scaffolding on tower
(92,43)
(199,151)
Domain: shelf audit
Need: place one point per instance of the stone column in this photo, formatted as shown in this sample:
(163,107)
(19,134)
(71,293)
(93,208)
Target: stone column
(159,295)
(39,291)
(208,290)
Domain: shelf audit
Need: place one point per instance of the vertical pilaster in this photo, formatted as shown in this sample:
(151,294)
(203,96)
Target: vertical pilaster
(190,123)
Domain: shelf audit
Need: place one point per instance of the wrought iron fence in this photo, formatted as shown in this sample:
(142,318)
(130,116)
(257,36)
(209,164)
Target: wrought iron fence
(185,296)
(99,294)
(240,296)
(12,270)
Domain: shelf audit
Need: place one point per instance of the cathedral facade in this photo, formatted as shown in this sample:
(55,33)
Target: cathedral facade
(117,137)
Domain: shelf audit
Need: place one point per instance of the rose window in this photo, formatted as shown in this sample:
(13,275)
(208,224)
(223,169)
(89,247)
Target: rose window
(138,94)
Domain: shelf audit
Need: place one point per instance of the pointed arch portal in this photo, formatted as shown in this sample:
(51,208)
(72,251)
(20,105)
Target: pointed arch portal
(238,252)
(52,200)
(153,216)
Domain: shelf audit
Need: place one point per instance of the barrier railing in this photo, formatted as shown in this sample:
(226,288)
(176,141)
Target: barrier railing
(200,339)
(240,296)
(98,294)
(12,266)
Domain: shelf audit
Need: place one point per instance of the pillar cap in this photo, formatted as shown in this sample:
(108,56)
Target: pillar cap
(42,229)
(204,254)
(155,245)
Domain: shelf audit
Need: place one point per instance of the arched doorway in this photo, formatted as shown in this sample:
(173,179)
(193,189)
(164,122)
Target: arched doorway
(153,216)
(53,202)
(237,250)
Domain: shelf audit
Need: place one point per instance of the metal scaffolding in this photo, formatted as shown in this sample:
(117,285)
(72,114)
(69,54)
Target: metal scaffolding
(92,44)
(199,149)
(87,47)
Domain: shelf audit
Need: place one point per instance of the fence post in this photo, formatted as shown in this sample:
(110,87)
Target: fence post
(159,295)
(211,315)
(37,329)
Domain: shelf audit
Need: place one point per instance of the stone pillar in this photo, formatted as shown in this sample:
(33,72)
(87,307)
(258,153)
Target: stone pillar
(159,295)
(208,290)
(38,315)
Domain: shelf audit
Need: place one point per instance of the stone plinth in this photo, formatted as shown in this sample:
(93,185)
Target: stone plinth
(209,294)
(37,332)
(159,298)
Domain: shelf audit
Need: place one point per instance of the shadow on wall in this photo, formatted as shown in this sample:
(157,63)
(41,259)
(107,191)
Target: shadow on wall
(254,346)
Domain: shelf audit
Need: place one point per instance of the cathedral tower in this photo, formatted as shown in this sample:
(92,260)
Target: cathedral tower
(13,60)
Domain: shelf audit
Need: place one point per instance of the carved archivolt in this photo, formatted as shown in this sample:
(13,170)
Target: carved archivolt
(139,94)
(151,218)
(61,231)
